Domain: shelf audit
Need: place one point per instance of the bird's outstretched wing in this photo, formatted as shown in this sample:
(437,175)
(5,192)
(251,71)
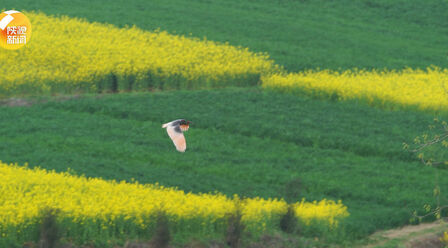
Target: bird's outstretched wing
(178,138)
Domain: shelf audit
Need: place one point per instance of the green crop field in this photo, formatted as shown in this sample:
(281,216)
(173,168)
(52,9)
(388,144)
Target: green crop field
(297,34)
(243,141)
(249,140)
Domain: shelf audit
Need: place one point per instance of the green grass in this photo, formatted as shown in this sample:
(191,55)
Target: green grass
(247,141)
(243,141)
(297,34)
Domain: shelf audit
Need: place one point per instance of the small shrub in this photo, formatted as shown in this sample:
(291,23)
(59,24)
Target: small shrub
(235,230)
(49,230)
(162,236)
(288,222)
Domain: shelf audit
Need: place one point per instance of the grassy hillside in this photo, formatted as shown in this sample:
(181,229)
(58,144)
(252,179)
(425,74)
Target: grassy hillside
(297,34)
(122,60)
(243,141)
(246,141)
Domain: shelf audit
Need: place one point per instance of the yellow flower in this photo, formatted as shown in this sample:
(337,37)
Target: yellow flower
(25,193)
(426,89)
(69,54)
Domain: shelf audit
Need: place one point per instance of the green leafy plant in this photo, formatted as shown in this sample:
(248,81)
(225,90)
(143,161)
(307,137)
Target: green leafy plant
(431,149)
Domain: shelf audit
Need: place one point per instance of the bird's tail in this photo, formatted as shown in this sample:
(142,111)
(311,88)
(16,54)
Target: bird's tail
(165,125)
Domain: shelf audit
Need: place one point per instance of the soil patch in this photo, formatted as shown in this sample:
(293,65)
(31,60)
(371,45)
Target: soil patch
(426,235)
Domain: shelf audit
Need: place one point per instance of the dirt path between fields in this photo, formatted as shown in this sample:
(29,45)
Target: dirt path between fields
(425,235)
(15,102)
(26,102)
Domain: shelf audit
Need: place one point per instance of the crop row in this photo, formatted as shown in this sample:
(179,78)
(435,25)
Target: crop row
(423,89)
(70,54)
(26,193)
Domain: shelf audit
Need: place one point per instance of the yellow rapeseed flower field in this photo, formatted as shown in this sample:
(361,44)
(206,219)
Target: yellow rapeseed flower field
(70,54)
(25,193)
(425,89)
(67,54)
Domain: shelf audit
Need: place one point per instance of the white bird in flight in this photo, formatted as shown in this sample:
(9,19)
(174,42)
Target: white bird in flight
(175,130)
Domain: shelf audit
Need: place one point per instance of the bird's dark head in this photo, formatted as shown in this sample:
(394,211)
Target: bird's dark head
(184,122)
(184,125)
